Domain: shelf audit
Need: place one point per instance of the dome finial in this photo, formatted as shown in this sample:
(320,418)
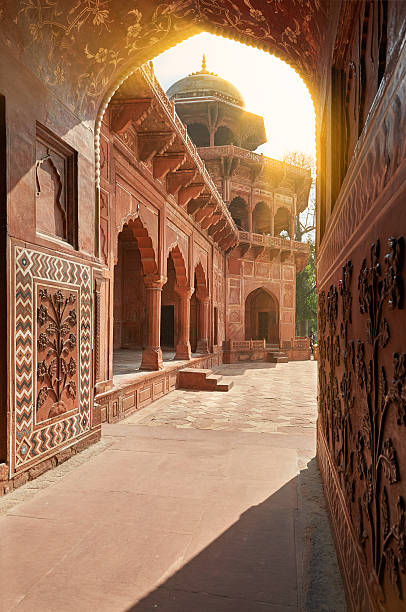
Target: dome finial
(204,63)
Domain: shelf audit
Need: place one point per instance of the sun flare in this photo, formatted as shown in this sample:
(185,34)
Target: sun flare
(268,85)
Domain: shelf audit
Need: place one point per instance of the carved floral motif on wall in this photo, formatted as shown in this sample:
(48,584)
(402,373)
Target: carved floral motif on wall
(60,39)
(56,353)
(363,411)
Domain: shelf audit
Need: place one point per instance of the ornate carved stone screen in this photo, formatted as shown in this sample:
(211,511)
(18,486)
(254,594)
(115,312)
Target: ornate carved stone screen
(52,321)
(56,187)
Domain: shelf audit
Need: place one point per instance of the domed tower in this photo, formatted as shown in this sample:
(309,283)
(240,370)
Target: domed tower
(214,111)
(264,197)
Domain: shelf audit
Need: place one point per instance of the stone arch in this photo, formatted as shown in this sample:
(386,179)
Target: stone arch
(281,220)
(261,218)
(239,211)
(199,134)
(144,242)
(180,266)
(262,316)
(223,136)
(200,282)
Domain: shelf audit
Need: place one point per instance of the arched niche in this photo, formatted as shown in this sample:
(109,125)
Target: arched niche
(262,316)
(239,212)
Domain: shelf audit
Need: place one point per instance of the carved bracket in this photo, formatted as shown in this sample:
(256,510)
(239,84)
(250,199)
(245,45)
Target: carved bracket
(126,112)
(153,143)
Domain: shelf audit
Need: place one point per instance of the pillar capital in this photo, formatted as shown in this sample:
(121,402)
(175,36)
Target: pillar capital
(184,291)
(153,281)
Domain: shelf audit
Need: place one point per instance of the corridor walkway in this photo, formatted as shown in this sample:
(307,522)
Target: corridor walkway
(202,502)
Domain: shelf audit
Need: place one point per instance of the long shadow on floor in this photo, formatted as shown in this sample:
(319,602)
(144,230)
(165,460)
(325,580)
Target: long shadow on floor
(253,565)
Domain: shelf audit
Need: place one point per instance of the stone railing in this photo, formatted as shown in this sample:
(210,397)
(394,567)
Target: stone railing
(169,108)
(233,151)
(273,241)
(301,342)
(243,345)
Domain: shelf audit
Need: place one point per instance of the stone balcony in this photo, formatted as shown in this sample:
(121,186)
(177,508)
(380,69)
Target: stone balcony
(258,243)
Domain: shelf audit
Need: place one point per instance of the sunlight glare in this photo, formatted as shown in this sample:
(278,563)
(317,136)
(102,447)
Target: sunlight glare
(269,86)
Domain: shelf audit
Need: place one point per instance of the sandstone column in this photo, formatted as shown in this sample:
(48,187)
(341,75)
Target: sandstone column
(203,341)
(152,353)
(292,223)
(183,346)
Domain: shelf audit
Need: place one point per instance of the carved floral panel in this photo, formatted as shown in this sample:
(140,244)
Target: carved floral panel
(52,355)
(56,355)
(363,410)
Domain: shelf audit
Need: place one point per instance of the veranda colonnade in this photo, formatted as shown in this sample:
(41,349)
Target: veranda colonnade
(263,216)
(153,285)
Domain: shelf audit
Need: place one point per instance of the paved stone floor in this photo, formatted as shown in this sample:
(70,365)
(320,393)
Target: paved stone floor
(202,502)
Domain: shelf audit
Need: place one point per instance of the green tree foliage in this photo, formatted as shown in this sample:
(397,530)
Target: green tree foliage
(306,296)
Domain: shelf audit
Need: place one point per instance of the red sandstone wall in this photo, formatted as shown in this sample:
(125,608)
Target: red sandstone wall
(361,281)
(41,421)
(244,276)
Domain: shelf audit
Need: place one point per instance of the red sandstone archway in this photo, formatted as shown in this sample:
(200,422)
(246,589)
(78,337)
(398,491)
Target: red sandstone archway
(180,267)
(174,327)
(239,212)
(199,313)
(262,316)
(261,219)
(144,244)
(129,293)
(282,221)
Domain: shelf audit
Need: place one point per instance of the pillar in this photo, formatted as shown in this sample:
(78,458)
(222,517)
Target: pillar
(152,353)
(292,221)
(183,346)
(212,132)
(272,228)
(203,341)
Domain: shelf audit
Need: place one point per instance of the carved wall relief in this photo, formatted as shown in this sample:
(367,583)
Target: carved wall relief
(52,401)
(363,414)
(56,352)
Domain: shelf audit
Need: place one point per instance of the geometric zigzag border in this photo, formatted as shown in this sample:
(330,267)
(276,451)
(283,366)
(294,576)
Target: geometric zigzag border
(32,444)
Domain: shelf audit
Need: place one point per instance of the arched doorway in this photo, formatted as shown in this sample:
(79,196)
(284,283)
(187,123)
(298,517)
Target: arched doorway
(262,316)
(129,294)
(137,297)
(169,303)
(175,307)
(199,313)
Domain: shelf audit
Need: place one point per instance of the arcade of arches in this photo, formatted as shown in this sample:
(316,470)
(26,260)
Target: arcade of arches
(185,230)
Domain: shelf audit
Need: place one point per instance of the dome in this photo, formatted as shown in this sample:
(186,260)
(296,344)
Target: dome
(204,83)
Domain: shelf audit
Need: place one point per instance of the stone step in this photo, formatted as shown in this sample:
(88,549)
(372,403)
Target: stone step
(277,357)
(201,380)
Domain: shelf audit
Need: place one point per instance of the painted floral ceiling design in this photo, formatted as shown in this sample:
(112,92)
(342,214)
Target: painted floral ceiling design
(80,47)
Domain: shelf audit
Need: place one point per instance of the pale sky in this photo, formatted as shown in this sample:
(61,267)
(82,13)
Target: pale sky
(269,87)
